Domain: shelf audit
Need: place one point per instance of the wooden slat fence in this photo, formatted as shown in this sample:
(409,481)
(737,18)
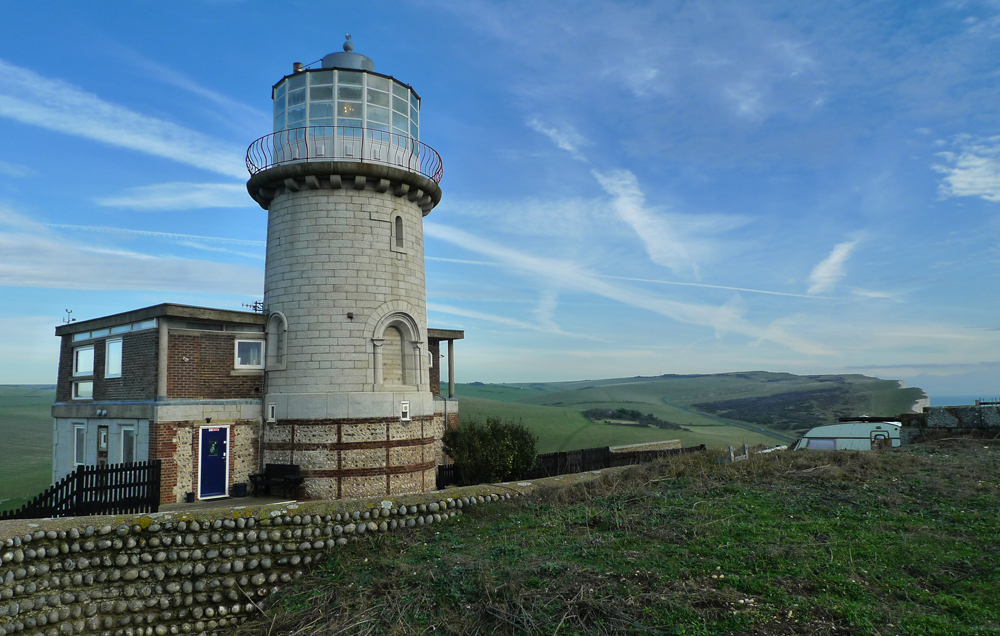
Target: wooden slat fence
(97,490)
(575,461)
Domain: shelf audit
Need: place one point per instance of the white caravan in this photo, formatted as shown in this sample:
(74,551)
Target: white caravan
(861,436)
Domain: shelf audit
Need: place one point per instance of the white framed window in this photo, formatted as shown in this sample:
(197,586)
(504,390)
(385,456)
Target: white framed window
(79,444)
(404,411)
(128,445)
(113,358)
(83,361)
(83,390)
(249,354)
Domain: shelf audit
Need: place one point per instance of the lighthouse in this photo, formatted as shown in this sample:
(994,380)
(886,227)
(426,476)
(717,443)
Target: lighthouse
(346,182)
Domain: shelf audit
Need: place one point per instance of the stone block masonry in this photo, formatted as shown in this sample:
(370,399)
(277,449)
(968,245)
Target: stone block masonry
(186,573)
(350,458)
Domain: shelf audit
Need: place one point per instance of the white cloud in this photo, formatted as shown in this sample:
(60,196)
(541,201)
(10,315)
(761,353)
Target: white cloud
(15,170)
(663,243)
(247,116)
(501,320)
(566,138)
(33,99)
(181,196)
(972,171)
(722,287)
(162,235)
(830,270)
(32,256)
(565,275)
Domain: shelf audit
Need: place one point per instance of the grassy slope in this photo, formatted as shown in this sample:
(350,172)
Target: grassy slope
(787,543)
(560,429)
(747,398)
(26,429)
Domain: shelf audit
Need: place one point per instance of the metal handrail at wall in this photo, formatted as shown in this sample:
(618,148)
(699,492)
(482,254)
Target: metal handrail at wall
(344,143)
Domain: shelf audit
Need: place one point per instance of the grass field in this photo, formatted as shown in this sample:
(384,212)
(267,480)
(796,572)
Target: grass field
(720,410)
(561,429)
(26,428)
(901,542)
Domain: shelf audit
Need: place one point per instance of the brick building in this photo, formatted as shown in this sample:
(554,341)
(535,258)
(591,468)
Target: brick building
(181,384)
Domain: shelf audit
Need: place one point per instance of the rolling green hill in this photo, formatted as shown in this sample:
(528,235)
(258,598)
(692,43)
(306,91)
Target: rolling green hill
(26,428)
(732,408)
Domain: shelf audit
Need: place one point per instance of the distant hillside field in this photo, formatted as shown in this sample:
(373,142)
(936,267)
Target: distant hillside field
(720,410)
(26,429)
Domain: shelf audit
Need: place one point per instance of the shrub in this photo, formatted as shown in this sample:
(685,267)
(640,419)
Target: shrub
(498,450)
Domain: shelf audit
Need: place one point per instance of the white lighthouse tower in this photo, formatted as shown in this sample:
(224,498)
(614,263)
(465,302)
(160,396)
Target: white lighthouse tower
(346,183)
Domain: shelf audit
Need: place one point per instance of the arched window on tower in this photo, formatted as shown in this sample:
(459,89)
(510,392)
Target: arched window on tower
(393,357)
(277,337)
(399,232)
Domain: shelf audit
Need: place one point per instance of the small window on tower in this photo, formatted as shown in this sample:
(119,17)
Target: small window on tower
(399,231)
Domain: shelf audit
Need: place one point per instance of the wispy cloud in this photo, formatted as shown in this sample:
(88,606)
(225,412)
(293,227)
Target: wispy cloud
(162,235)
(32,256)
(566,137)
(663,244)
(56,105)
(973,170)
(459,260)
(723,287)
(830,270)
(15,170)
(246,116)
(181,196)
(565,275)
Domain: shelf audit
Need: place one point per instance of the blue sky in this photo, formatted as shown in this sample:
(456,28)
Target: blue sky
(629,189)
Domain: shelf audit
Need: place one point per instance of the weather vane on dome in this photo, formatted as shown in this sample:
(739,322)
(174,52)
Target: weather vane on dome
(348,47)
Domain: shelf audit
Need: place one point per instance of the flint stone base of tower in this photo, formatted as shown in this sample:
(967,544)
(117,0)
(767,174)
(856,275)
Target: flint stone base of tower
(358,457)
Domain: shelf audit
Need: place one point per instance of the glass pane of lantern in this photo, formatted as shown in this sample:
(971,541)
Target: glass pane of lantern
(321,93)
(376,114)
(348,109)
(352,93)
(319,78)
(377,98)
(349,77)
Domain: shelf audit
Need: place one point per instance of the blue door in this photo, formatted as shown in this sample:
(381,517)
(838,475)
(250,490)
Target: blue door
(214,462)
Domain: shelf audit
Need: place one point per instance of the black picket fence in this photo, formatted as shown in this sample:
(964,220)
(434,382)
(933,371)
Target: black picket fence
(576,461)
(97,490)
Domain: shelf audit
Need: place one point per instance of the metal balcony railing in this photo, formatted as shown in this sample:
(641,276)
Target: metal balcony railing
(344,143)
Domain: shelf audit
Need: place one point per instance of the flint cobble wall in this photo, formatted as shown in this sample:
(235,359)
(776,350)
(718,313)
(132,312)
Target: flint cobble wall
(184,573)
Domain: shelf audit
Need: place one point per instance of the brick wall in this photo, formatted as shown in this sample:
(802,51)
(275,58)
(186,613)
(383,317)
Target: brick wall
(64,381)
(200,366)
(138,379)
(434,347)
(163,446)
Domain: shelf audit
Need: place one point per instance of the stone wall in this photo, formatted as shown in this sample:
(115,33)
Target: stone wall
(185,573)
(968,419)
(349,458)
(962,417)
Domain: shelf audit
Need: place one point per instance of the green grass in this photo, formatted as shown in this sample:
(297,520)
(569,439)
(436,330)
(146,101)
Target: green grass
(561,429)
(26,428)
(777,402)
(901,542)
